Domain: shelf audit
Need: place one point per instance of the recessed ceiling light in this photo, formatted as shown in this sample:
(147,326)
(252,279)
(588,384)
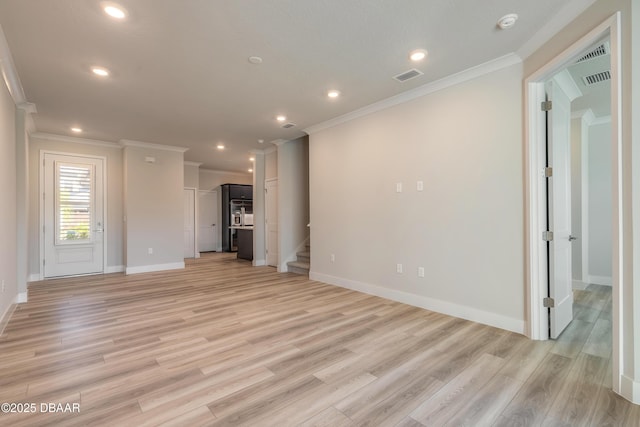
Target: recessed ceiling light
(250,170)
(255,60)
(333,93)
(507,21)
(251,159)
(281,118)
(99,71)
(220,146)
(261,141)
(114,10)
(418,55)
(76,130)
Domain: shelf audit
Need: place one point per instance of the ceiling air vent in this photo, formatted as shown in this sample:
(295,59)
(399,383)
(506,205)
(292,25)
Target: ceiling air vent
(288,125)
(408,75)
(597,78)
(601,50)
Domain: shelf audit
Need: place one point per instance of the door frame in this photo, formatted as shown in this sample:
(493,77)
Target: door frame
(215,194)
(266,226)
(535,204)
(196,253)
(41,209)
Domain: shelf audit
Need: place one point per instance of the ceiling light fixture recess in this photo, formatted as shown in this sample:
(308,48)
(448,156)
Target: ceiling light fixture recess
(333,94)
(99,71)
(220,146)
(251,159)
(76,129)
(281,118)
(114,10)
(261,141)
(507,21)
(417,55)
(255,60)
(250,170)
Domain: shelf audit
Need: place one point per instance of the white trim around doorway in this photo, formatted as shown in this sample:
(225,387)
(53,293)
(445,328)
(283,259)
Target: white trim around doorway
(535,209)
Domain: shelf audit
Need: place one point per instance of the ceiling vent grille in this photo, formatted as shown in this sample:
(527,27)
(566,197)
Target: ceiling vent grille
(288,125)
(601,50)
(408,75)
(597,78)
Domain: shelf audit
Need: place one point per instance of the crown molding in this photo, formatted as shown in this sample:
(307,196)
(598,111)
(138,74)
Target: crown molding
(74,139)
(560,20)
(566,83)
(28,107)
(140,144)
(279,142)
(196,164)
(9,72)
(257,152)
(587,115)
(452,80)
(270,150)
(600,120)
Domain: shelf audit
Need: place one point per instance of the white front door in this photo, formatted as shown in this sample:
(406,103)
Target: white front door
(207,221)
(189,223)
(271,221)
(559,205)
(72,215)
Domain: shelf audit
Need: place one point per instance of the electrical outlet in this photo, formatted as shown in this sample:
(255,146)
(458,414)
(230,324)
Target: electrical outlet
(420,186)
(399,268)
(398,187)
(420,271)
(333,257)
(150,251)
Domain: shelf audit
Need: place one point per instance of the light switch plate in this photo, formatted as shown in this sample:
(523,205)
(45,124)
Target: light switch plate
(398,187)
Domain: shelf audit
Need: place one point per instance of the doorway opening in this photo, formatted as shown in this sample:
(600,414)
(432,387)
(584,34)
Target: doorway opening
(549,264)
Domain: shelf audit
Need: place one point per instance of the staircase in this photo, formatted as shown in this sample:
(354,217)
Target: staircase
(302,264)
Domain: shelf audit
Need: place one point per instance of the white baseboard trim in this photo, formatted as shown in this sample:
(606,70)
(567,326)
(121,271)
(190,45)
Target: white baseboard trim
(599,280)
(155,267)
(20,298)
(630,389)
(579,285)
(34,277)
(114,269)
(259,262)
(4,320)
(444,307)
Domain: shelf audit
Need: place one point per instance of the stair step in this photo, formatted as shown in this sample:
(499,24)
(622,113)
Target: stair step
(298,267)
(304,256)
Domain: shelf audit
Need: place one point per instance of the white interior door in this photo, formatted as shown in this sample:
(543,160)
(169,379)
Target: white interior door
(72,215)
(271,221)
(189,223)
(559,205)
(207,221)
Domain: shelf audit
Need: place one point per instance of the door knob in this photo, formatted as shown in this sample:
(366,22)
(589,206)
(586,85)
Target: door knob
(571,238)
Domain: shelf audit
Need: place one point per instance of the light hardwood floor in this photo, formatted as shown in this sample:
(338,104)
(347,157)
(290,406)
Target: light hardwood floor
(223,343)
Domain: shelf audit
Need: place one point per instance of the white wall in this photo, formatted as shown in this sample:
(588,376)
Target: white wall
(210,179)
(8,221)
(70,145)
(466,228)
(191,175)
(599,204)
(293,199)
(153,195)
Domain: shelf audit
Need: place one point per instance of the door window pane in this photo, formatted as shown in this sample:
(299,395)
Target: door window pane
(74,189)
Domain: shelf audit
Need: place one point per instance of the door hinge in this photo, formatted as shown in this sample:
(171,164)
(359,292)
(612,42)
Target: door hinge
(547,236)
(546,105)
(548,172)
(548,302)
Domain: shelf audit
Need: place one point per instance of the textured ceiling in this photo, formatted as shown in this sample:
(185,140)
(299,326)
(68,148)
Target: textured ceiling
(181,75)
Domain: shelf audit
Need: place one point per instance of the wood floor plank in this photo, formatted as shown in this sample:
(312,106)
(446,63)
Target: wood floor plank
(225,343)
